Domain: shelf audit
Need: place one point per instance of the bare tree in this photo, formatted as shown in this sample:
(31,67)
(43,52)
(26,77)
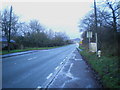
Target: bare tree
(114,7)
(50,34)
(35,26)
(108,26)
(9,25)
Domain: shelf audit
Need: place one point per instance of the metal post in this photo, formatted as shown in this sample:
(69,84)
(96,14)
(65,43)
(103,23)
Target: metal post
(95,11)
(96,43)
(89,44)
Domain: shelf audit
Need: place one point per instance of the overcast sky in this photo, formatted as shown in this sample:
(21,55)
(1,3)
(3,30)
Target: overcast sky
(59,16)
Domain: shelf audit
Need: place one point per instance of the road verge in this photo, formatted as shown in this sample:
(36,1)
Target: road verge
(105,68)
(24,51)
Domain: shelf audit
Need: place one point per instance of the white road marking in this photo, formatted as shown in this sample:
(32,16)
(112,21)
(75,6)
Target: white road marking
(49,75)
(39,87)
(64,60)
(78,59)
(69,74)
(73,57)
(30,59)
(70,67)
(61,63)
(56,67)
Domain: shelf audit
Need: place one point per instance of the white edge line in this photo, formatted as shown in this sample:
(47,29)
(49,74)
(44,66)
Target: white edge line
(61,63)
(56,67)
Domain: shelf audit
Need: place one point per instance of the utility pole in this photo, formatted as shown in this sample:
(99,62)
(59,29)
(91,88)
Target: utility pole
(95,11)
(9,29)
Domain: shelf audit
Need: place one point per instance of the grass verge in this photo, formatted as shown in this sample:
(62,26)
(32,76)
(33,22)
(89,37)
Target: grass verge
(27,49)
(106,67)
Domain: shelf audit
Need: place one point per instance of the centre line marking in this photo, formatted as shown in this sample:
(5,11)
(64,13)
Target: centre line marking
(49,75)
(30,58)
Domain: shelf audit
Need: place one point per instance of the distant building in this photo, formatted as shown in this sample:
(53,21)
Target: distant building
(3,42)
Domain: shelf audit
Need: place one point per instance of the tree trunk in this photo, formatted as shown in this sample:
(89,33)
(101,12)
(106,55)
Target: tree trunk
(9,29)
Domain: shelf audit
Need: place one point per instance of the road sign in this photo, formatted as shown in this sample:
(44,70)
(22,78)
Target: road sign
(80,42)
(89,34)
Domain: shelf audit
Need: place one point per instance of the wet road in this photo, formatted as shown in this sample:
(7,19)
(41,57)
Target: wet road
(34,69)
(75,74)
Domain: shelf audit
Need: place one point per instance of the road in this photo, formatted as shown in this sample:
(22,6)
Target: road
(34,69)
(75,74)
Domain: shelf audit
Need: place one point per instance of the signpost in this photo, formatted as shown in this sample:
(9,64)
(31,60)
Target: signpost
(96,42)
(89,35)
(95,11)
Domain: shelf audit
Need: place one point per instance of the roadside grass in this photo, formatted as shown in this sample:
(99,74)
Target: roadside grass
(106,67)
(27,49)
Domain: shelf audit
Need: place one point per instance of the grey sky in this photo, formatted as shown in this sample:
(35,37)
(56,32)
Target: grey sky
(59,16)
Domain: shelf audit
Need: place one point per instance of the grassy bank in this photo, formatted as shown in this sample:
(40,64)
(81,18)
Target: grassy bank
(106,67)
(27,49)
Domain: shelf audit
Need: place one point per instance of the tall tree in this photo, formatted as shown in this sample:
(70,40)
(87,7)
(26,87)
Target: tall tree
(108,26)
(114,7)
(9,24)
(35,26)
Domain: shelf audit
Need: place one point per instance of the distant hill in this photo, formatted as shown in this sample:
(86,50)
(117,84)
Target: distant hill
(76,40)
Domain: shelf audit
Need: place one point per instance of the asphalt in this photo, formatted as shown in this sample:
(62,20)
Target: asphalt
(32,70)
(75,74)
(16,54)
(61,67)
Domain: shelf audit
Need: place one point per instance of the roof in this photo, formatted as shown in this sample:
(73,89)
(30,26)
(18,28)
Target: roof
(3,39)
